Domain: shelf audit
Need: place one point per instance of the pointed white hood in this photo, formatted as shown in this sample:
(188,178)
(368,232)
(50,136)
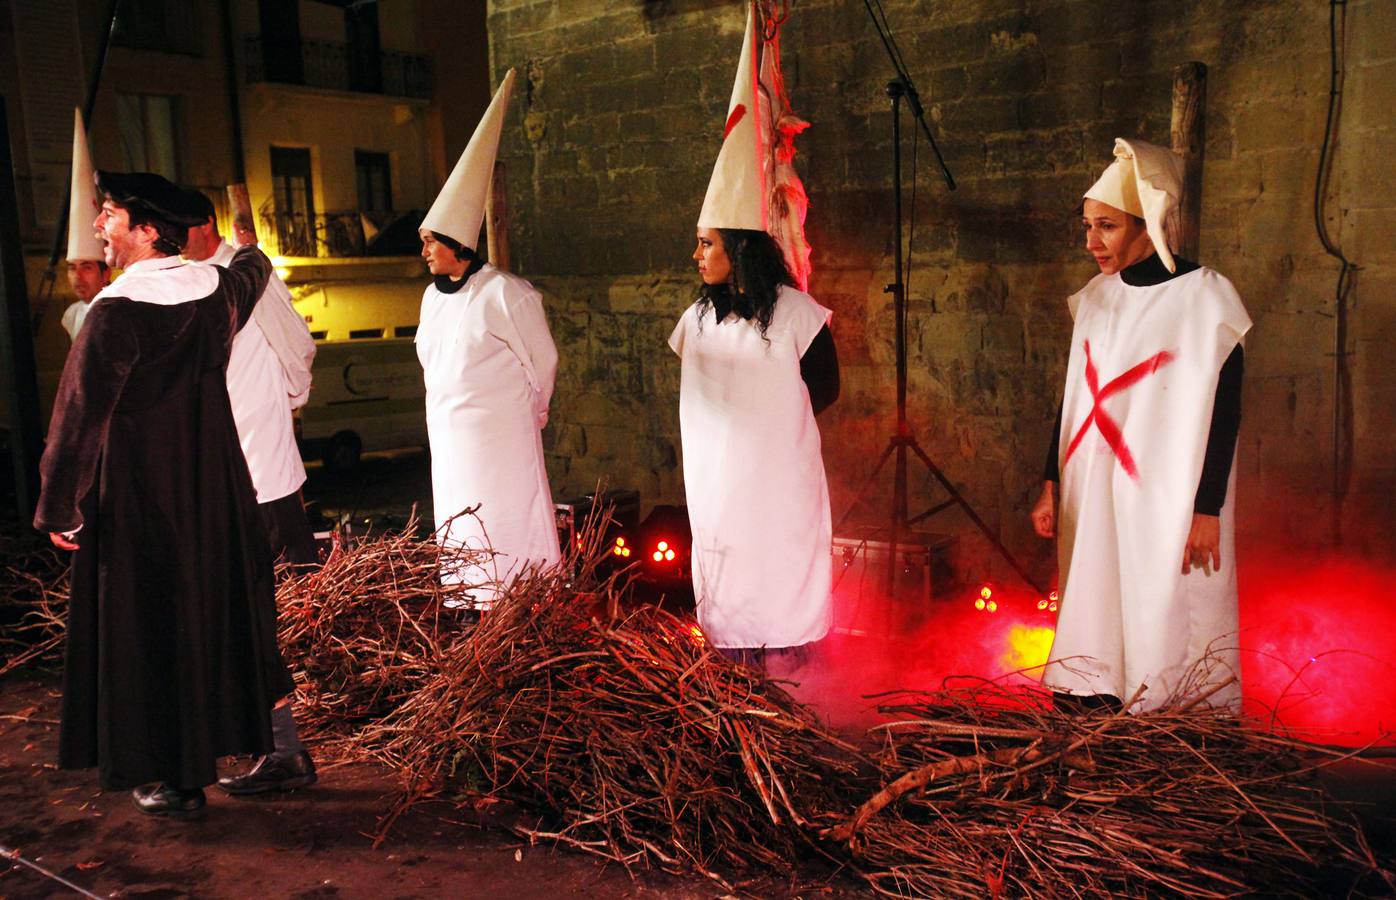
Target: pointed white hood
(82,202)
(1145,180)
(459,209)
(737,195)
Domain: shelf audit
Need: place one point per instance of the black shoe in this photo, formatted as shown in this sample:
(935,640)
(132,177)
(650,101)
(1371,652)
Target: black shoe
(273,772)
(161,799)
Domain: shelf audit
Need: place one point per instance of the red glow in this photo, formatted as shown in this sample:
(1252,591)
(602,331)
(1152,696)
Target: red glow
(663,545)
(658,557)
(697,634)
(1316,649)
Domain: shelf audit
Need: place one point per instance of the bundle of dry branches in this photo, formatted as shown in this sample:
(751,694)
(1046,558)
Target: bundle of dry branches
(33,603)
(636,741)
(365,631)
(989,793)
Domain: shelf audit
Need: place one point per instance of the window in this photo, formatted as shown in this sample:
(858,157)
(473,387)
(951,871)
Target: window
(364,59)
(375,181)
(147,123)
(293,201)
(171,26)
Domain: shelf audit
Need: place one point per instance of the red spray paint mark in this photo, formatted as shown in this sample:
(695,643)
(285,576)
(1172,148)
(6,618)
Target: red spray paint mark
(1108,427)
(738,113)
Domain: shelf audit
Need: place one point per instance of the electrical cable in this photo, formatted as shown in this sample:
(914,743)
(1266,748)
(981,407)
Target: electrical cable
(1346,270)
(14,856)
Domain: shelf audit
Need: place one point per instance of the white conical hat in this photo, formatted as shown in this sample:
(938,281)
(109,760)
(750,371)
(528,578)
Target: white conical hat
(736,195)
(1145,180)
(459,209)
(82,203)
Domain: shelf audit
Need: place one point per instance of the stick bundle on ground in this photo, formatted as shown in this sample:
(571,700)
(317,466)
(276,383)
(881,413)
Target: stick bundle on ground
(632,738)
(988,793)
(365,631)
(33,602)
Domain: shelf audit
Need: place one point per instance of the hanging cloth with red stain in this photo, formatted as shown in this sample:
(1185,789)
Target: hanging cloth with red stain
(1136,410)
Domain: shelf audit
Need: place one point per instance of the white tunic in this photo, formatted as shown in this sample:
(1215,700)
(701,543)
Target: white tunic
(72,318)
(757,496)
(1136,412)
(262,399)
(489,362)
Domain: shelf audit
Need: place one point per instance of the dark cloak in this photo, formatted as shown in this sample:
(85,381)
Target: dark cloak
(172,658)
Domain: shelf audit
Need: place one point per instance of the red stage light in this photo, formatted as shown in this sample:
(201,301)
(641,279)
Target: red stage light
(992,606)
(1042,604)
(978,602)
(663,545)
(668,554)
(658,557)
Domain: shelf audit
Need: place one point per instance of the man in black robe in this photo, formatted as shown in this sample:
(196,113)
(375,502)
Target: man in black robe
(172,658)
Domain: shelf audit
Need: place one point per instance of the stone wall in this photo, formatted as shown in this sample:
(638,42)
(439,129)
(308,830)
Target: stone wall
(618,120)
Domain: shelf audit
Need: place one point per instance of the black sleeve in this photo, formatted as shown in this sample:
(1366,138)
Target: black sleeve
(244,279)
(819,368)
(94,376)
(1221,438)
(1051,471)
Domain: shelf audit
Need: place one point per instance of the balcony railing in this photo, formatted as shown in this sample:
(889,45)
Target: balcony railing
(349,233)
(323,64)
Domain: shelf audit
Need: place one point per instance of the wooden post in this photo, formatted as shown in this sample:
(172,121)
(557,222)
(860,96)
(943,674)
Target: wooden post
(497,219)
(1188,136)
(240,212)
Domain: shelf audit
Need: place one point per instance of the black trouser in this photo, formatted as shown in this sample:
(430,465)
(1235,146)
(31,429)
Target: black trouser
(288,530)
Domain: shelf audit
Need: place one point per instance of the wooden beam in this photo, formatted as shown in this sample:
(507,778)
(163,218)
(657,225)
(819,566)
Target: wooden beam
(1189,137)
(497,219)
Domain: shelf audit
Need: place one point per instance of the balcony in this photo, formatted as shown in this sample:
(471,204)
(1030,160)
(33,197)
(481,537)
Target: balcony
(337,67)
(341,235)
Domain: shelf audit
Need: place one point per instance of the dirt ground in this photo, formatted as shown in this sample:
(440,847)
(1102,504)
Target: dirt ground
(314,843)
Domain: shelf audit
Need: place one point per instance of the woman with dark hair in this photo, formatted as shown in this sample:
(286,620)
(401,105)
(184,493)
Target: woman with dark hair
(758,363)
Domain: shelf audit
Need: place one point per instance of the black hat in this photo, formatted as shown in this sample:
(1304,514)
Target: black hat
(198,205)
(158,196)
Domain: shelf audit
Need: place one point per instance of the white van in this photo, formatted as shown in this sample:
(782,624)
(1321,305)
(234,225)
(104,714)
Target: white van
(367,391)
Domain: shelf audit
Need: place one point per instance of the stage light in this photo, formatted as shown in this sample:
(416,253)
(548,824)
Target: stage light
(658,556)
(620,542)
(986,592)
(978,602)
(992,606)
(1052,607)
(1042,604)
(668,554)
(663,545)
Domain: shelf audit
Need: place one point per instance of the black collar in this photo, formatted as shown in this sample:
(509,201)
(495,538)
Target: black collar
(1152,271)
(448,285)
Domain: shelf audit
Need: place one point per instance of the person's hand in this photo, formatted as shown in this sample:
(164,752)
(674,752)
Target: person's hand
(244,232)
(1204,544)
(1044,514)
(64,541)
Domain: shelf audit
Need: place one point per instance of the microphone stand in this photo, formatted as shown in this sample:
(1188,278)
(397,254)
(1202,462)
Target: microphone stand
(903,440)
